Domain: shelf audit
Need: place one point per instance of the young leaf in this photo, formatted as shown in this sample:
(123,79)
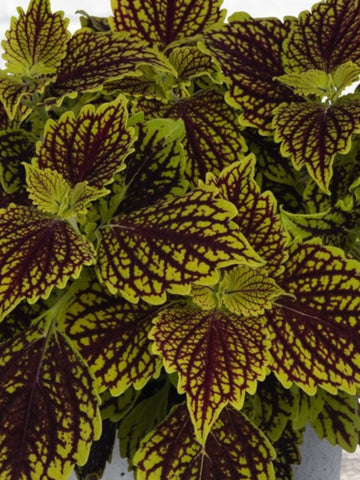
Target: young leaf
(315,338)
(190,63)
(170,245)
(37,41)
(213,135)
(12,91)
(324,38)
(48,405)
(339,420)
(100,324)
(248,291)
(313,133)
(91,146)
(171,450)
(93,58)
(249,52)
(165,21)
(37,253)
(257,216)
(219,356)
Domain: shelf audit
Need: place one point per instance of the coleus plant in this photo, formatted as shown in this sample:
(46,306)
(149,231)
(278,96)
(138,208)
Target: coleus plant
(179,239)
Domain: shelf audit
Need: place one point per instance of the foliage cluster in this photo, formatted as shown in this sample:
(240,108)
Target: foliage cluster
(179,239)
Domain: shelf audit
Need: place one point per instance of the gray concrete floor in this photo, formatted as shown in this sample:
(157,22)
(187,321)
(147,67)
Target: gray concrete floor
(350,466)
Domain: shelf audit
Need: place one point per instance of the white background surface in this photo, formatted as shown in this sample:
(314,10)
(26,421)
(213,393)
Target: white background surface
(256,8)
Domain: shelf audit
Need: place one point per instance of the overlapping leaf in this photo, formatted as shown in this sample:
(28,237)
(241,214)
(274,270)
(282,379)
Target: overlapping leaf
(287,453)
(100,324)
(315,338)
(171,244)
(15,147)
(313,133)
(164,22)
(219,356)
(190,63)
(91,146)
(156,169)
(324,38)
(171,450)
(36,42)
(249,52)
(12,91)
(213,136)
(93,58)
(37,253)
(116,408)
(339,421)
(257,216)
(48,406)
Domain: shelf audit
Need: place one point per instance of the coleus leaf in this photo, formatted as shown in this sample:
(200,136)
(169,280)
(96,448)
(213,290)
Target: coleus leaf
(100,324)
(190,62)
(339,421)
(167,246)
(48,404)
(324,38)
(91,146)
(312,133)
(15,147)
(287,453)
(248,291)
(156,169)
(307,407)
(213,135)
(315,338)
(218,356)
(51,193)
(37,253)
(171,450)
(36,42)
(116,408)
(165,22)
(92,58)
(12,90)
(250,54)
(257,216)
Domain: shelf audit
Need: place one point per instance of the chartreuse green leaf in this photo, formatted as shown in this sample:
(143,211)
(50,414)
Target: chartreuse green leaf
(312,133)
(12,90)
(51,193)
(106,57)
(190,63)
(116,408)
(257,217)
(15,147)
(315,339)
(100,324)
(213,137)
(248,291)
(49,405)
(171,450)
(91,146)
(170,245)
(165,21)
(249,52)
(339,421)
(239,346)
(37,40)
(307,407)
(324,38)
(156,169)
(37,253)
(145,416)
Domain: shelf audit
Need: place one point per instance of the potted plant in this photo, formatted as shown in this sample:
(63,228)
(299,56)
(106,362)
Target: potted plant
(179,240)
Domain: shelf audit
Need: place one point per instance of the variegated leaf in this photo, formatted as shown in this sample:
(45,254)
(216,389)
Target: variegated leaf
(218,356)
(48,405)
(287,453)
(93,58)
(324,38)
(12,90)
(91,146)
(249,51)
(190,63)
(171,450)
(315,337)
(116,408)
(257,217)
(213,137)
(312,133)
(167,21)
(170,245)
(100,324)
(37,40)
(37,253)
